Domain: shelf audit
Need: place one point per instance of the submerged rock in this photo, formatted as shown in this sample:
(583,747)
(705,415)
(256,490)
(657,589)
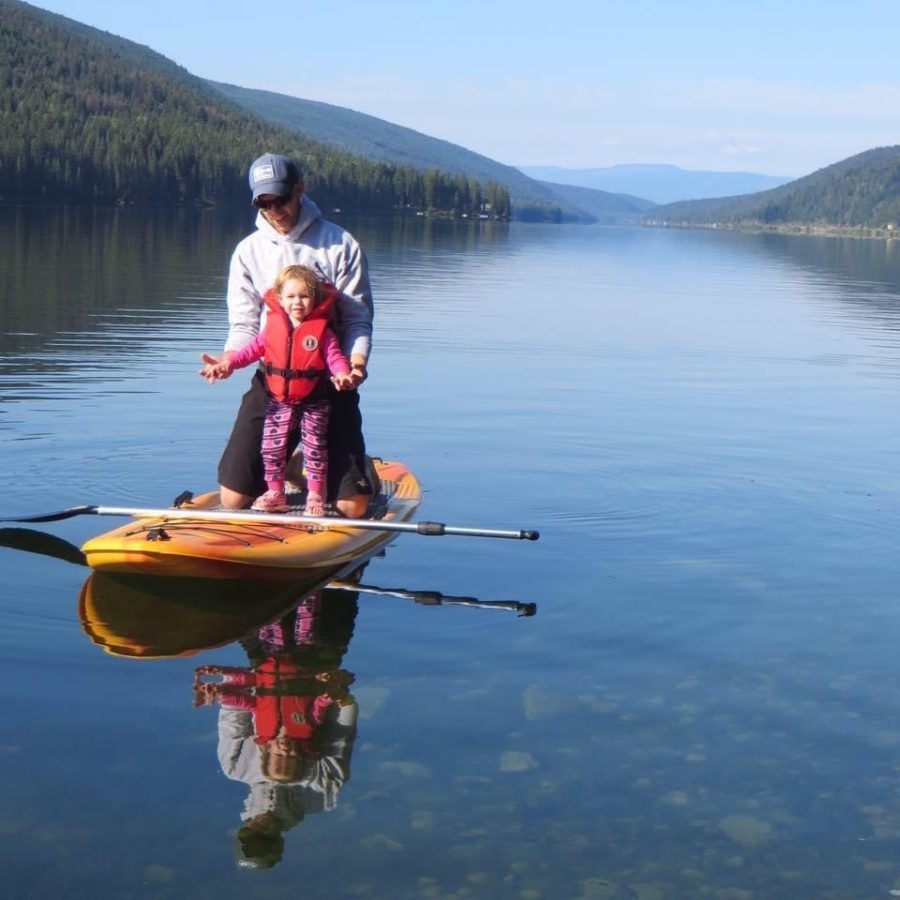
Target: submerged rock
(539,703)
(517,761)
(602,889)
(746,831)
(406,768)
(158,874)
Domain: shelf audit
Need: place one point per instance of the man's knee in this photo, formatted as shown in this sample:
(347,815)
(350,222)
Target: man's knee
(355,507)
(233,499)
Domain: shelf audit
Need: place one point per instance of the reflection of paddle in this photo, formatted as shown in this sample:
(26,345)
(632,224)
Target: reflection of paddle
(432,529)
(436,598)
(39,542)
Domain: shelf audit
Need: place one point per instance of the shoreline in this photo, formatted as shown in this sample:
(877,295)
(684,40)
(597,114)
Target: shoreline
(862,232)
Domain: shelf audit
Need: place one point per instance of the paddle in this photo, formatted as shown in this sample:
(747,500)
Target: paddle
(430,529)
(43,544)
(49,545)
(436,598)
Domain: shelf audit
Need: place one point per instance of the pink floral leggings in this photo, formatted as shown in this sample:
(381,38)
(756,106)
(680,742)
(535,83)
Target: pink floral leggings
(281,420)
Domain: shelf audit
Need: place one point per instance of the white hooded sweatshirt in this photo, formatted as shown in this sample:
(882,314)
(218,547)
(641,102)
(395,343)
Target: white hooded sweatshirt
(322,780)
(317,243)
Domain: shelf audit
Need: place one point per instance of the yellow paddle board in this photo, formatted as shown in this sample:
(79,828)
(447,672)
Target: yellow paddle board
(186,547)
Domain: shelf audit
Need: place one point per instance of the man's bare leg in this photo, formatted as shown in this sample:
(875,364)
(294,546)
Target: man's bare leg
(232,499)
(354,507)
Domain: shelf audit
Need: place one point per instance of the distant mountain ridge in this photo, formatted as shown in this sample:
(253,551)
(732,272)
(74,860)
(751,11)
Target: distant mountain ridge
(660,183)
(862,191)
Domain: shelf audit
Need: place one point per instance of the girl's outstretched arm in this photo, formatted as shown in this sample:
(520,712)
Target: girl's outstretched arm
(216,368)
(219,367)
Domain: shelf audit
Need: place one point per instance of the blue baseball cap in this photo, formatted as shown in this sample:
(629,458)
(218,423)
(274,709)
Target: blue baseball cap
(273,174)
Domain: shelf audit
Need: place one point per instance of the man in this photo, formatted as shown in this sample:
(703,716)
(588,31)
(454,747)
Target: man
(290,230)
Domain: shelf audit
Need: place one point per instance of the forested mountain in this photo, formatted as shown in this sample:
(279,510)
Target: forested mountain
(659,183)
(374,139)
(602,206)
(89,117)
(862,191)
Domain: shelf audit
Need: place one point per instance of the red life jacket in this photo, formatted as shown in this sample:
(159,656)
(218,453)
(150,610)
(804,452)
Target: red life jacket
(293,362)
(276,710)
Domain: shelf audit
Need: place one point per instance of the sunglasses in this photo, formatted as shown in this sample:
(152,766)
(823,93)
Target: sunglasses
(277,203)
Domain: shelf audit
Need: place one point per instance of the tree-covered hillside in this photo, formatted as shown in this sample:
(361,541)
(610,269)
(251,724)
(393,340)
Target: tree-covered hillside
(377,140)
(605,207)
(861,191)
(88,117)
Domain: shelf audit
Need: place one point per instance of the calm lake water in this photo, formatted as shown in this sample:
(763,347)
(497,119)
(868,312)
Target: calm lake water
(702,425)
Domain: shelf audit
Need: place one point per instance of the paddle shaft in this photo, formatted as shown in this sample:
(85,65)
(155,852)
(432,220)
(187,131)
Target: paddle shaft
(436,598)
(430,529)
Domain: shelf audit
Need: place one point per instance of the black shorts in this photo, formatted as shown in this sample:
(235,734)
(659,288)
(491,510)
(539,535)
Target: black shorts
(241,466)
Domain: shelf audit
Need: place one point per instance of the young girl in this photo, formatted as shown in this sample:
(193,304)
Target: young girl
(299,351)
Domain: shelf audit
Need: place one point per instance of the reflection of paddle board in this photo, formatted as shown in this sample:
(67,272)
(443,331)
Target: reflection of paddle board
(152,617)
(220,549)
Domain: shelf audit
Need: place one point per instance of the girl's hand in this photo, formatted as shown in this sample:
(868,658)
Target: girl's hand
(206,694)
(216,368)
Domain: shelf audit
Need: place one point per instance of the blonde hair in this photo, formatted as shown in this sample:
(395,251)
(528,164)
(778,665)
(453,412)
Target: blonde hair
(306,276)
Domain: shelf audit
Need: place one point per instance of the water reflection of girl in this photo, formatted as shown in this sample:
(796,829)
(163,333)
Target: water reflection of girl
(287,721)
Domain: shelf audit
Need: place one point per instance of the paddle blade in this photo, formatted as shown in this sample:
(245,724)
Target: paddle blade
(44,544)
(54,516)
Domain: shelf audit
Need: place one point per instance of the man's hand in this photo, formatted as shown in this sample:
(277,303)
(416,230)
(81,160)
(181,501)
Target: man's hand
(343,382)
(358,373)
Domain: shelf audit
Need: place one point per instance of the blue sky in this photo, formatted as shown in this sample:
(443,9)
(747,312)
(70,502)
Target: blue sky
(782,88)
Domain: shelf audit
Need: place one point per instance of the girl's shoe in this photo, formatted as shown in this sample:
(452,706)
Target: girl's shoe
(315,505)
(272,502)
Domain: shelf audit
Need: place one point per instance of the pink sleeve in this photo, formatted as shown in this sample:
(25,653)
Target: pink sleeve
(250,354)
(246,702)
(238,677)
(233,692)
(335,361)
(320,706)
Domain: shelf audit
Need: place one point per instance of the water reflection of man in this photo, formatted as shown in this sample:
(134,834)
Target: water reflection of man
(287,722)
